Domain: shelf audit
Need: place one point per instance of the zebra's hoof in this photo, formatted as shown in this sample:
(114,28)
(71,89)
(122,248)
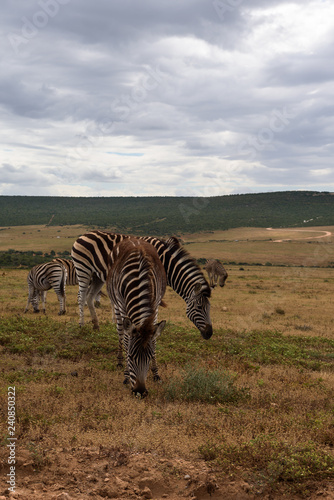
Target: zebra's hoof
(61,313)
(36,311)
(96,326)
(156,378)
(126,381)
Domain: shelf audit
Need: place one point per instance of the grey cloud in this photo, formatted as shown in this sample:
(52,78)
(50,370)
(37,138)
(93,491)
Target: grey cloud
(82,85)
(22,176)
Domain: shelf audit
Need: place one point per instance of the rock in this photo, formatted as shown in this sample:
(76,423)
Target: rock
(91,478)
(63,496)
(107,492)
(146,482)
(146,492)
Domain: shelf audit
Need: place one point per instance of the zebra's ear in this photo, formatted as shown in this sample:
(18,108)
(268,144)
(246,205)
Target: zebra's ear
(127,325)
(158,329)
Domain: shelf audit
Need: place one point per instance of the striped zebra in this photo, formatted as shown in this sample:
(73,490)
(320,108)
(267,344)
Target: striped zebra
(216,272)
(43,277)
(90,255)
(136,283)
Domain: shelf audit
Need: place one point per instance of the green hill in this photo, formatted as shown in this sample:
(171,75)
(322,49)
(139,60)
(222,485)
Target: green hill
(172,215)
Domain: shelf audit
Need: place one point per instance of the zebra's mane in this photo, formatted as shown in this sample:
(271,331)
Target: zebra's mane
(175,246)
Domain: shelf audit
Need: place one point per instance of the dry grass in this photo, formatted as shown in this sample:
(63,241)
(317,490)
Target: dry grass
(40,238)
(258,246)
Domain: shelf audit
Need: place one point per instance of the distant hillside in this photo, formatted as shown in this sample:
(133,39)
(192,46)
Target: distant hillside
(172,215)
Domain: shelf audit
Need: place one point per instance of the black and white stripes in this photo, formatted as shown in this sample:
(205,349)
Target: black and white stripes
(71,275)
(43,277)
(136,284)
(90,255)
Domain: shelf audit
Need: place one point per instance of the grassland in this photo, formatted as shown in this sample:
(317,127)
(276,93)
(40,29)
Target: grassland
(313,246)
(261,415)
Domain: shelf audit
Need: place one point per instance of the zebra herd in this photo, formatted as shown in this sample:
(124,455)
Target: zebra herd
(136,271)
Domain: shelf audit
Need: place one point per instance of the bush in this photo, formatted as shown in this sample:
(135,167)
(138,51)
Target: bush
(199,384)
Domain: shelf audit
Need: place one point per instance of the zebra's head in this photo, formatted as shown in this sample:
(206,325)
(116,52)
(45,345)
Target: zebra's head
(222,280)
(141,349)
(198,308)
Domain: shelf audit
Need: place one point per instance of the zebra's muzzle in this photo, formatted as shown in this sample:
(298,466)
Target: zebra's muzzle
(207,332)
(139,392)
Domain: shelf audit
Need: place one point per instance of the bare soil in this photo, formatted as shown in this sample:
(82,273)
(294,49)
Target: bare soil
(98,473)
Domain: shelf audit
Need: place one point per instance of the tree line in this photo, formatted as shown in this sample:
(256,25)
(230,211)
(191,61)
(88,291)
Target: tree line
(172,215)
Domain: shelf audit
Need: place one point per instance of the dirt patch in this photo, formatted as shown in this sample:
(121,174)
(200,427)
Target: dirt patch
(98,473)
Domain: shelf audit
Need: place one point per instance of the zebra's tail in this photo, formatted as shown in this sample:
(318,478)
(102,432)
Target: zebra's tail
(63,282)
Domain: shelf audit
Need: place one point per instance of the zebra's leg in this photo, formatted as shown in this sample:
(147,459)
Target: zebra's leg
(62,304)
(94,290)
(43,299)
(119,323)
(97,301)
(154,366)
(58,283)
(61,298)
(30,296)
(82,294)
(126,345)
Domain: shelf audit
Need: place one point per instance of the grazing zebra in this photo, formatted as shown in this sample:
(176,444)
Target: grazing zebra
(136,283)
(90,255)
(216,271)
(43,277)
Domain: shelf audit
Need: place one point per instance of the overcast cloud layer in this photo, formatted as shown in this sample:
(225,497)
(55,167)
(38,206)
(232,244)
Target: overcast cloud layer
(168,97)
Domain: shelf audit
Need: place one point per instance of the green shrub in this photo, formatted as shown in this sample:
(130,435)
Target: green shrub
(199,384)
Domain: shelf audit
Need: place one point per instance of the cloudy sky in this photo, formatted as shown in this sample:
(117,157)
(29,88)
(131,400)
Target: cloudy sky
(166,97)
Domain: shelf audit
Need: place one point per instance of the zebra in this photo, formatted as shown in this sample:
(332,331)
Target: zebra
(136,283)
(43,277)
(90,254)
(216,272)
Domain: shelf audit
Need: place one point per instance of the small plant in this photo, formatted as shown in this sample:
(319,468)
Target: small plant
(38,455)
(209,451)
(199,384)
